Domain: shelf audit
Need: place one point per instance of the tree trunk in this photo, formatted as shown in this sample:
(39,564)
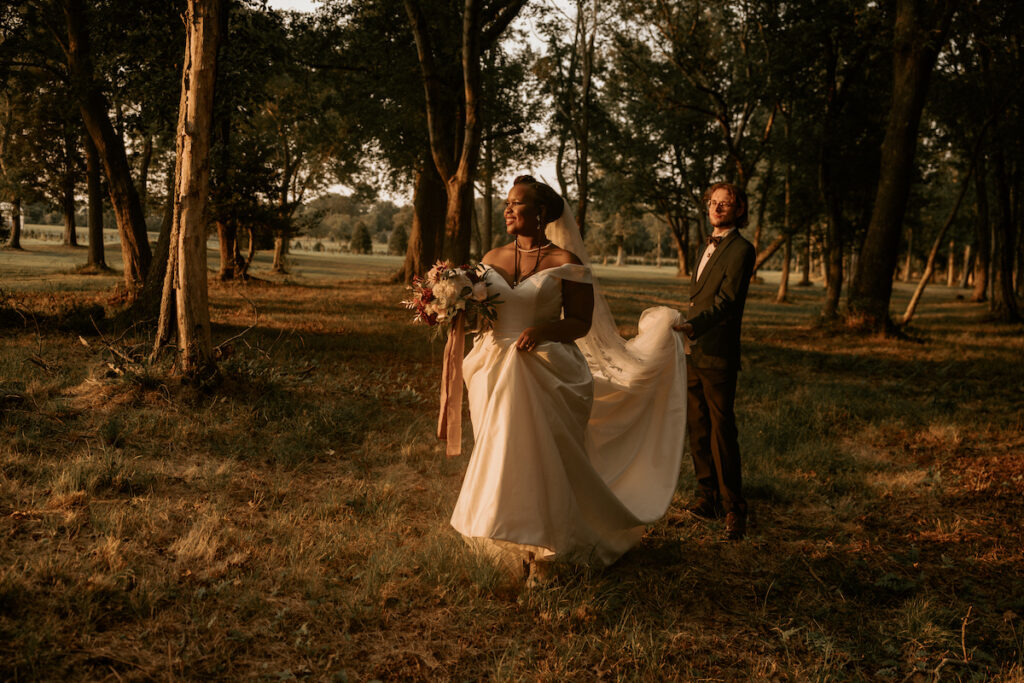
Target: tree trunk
(832,240)
(982,234)
(227,234)
(1018,277)
(769,251)
(188,277)
(428,206)
(805,261)
(14,239)
(156,294)
(929,267)
(620,256)
(563,182)
(250,251)
(965,275)
(458,219)
(1004,297)
(487,225)
(832,259)
(762,203)
(97,256)
(68,209)
(280,253)
(681,256)
(168,235)
(131,223)
(583,127)
(679,226)
(787,230)
(144,162)
(908,271)
(456,156)
(950,264)
(917,40)
(474,241)
(787,256)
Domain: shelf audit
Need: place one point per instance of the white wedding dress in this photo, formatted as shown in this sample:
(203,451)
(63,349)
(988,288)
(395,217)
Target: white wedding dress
(574,452)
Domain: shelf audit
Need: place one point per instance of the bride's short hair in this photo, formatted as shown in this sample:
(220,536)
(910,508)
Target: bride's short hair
(544,195)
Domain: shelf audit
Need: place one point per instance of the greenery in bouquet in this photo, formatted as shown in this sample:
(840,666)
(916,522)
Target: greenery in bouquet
(447,290)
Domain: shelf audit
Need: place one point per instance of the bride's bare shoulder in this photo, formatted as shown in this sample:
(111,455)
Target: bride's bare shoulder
(498,255)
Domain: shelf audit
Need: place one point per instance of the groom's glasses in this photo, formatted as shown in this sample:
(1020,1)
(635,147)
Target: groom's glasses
(725,205)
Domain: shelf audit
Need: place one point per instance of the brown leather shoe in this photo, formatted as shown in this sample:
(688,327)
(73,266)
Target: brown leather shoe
(735,526)
(704,508)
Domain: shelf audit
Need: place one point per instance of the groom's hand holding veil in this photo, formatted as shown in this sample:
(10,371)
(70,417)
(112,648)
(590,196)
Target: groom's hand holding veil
(684,327)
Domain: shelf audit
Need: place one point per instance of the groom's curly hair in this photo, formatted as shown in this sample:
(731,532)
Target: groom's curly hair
(738,196)
(544,195)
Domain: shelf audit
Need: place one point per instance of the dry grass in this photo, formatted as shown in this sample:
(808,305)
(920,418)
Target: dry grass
(293,523)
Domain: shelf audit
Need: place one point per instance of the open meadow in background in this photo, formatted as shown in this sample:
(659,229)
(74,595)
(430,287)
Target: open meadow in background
(292,522)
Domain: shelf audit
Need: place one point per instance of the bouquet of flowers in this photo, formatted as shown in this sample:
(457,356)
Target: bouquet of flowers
(447,290)
(450,295)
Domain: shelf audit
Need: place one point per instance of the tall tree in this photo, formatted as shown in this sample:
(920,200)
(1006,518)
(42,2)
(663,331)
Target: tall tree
(124,198)
(455,132)
(186,278)
(97,259)
(723,58)
(570,73)
(920,31)
(17,173)
(831,78)
(54,149)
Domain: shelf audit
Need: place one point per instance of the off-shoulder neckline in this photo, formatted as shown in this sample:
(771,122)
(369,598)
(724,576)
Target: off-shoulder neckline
(542,271)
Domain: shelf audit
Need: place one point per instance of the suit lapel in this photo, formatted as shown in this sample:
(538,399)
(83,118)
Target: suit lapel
(699,283)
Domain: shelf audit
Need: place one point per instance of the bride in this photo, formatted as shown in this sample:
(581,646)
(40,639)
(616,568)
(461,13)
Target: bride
(578,433)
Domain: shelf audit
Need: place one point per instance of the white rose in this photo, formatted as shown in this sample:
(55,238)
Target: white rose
(445,292)
(480,291)
(450,291)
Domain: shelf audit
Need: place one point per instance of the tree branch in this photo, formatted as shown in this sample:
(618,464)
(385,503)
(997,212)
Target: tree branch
(493,26)
(431,86)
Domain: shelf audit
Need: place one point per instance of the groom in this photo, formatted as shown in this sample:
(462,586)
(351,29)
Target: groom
(718,291)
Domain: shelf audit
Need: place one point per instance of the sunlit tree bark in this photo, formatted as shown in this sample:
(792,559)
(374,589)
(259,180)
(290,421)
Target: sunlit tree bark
(427,223)
(187,266)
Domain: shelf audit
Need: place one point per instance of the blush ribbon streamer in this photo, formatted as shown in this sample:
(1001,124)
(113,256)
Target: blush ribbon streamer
(449,421)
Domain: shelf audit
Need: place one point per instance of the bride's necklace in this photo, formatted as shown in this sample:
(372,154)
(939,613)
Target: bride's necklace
(530,251)
(518,277)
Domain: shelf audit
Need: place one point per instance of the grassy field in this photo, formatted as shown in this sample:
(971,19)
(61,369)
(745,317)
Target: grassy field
(293,522)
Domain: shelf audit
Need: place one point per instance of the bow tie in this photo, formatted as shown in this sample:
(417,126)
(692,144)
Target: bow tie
(712,240)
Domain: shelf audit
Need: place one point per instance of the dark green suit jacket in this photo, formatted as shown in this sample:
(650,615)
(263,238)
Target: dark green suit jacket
(717,298)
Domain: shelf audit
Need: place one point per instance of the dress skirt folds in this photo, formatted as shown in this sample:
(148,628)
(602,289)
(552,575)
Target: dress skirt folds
(568,465)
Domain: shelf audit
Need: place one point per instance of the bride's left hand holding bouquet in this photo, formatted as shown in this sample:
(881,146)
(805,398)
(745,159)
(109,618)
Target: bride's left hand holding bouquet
(449,295)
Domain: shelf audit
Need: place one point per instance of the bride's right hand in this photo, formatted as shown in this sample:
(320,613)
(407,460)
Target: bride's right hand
(529,339)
